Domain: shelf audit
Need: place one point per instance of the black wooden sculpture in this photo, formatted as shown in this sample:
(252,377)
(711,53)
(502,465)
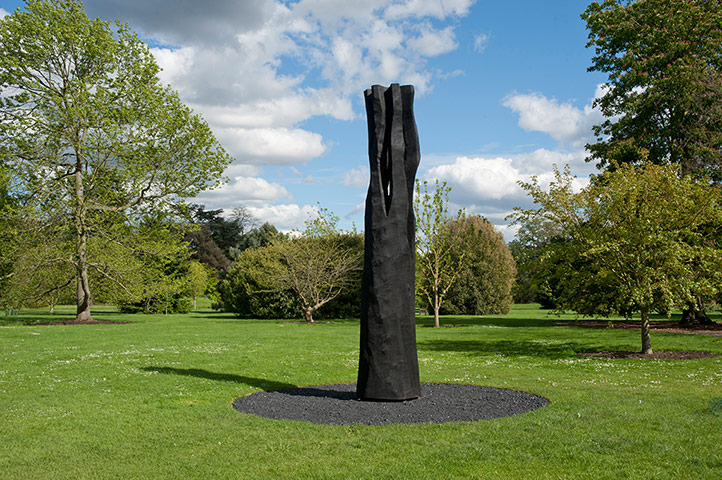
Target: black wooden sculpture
(388,365)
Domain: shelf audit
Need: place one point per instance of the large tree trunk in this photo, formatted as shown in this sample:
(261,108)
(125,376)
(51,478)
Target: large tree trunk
(308,313)
(81,267)
(694,314)
(646,340)
(83,309)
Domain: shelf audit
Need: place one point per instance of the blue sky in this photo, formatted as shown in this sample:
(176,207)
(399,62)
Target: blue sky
(502,93)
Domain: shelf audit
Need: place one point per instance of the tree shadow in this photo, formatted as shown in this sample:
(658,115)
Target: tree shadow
(465,321)
(337,392)
(220,377)
(508,347)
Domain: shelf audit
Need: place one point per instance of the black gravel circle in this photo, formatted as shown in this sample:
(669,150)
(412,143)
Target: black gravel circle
(439,403)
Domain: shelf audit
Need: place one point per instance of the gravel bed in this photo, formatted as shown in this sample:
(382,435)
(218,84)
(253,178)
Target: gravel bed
(439,403)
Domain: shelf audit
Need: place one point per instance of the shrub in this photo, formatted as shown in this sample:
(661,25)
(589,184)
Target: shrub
(484,283)
(252,288)
(248,290)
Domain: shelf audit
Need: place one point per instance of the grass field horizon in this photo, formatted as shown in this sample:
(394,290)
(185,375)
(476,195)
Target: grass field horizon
(152,399)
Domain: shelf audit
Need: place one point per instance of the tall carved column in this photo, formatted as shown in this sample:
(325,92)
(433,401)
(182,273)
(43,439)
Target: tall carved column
(388,365)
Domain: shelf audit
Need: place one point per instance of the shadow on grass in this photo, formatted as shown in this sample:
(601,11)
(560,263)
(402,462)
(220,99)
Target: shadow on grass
(220,377)
(329,392)
(508,348)
(459,321)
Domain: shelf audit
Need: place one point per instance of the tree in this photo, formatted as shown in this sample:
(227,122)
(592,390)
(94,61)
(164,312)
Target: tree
(639,233)
(227,234)
(529,243)
(95,143)
(205,250)
(484,283)
(320,268)
(439,258)
(249,289)
(664,91)
(258,237)
(663,101)
(318,265)
(317,270)
(197,280)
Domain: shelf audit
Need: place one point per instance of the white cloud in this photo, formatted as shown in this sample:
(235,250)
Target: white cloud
(353,44)
(174,62)
(333,12)
(3,13)
(355,211)
(257,69)
(271,146)
(433,8)
(431,43)
(357,177)
(542,160)
(473,178)
(268,66)
(480,42)
(564,122)
(280,111)
(242,191)
(284,217)
(489,185)
(237,169)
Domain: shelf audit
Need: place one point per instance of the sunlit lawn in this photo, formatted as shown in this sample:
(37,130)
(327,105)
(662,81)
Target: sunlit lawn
(152,399)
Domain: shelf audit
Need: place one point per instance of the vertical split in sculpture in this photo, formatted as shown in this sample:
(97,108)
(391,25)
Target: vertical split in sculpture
(388,365)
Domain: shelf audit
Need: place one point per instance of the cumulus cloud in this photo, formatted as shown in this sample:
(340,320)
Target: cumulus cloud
(474,178)
(179,22)
(489,185)
(567,124)
(285,217)
(431,43)
(258,69)
(243,191)
(174,64)
(271,146)
(3,12)
(246,46)
(357,177)
(433,8)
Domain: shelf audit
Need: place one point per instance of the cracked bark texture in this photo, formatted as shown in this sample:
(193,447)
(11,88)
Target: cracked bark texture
(388,364)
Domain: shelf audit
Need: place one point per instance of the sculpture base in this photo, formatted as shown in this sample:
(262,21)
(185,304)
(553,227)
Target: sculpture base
(438,403)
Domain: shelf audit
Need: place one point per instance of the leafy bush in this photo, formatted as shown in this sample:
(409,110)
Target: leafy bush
(248,289)
(484,282)
(252,287)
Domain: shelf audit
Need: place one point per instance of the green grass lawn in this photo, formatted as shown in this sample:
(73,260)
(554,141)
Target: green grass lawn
(152,399)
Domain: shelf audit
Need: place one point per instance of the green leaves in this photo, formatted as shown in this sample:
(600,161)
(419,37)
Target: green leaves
(439,258)
(664,61)
(93,139)
(639,239)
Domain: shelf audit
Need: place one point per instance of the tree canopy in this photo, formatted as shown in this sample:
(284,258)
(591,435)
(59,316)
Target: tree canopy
(319,264)
(95,144)
(636,239)
(282,274)
(663,96)
(486,276)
